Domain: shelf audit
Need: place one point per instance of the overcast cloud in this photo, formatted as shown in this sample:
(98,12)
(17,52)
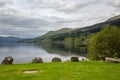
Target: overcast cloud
(31,18)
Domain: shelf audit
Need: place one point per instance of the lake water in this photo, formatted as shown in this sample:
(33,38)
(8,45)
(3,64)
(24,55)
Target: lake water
(24,53)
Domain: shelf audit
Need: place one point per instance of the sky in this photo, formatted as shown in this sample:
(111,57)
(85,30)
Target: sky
(32,18)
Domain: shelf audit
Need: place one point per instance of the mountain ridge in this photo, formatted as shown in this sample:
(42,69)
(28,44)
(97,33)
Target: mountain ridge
(85,31)
(10,39)
(63,30)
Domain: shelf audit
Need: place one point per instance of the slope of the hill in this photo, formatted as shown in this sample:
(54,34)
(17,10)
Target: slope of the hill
(61,34)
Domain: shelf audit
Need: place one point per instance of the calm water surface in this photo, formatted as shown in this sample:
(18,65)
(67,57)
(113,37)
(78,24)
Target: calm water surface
(24,53)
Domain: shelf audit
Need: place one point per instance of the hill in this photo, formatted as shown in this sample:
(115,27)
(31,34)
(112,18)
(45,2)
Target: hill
(10,39)
(47,37)
(61,31)
(60,35)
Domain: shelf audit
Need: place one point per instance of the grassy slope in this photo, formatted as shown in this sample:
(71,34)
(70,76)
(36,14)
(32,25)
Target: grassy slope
(63,30)
(51,33)
(62,71)
(46,36)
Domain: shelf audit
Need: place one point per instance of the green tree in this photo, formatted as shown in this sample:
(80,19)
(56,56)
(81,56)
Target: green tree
(106,43)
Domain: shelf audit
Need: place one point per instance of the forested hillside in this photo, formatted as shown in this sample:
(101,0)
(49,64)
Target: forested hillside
(79,35)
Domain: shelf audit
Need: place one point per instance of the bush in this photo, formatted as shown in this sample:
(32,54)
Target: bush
(106,43)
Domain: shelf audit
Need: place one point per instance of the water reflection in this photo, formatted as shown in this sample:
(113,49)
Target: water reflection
(62,49)
(23,53)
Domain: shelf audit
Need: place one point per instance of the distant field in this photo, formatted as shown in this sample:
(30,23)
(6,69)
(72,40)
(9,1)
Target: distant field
(86,70)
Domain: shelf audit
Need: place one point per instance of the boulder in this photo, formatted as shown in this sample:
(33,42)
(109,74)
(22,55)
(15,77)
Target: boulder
(83,59)
(7,60)
(56,59)
(113,60)
(37,60)
(74,59)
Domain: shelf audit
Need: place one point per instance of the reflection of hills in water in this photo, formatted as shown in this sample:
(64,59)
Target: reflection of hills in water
(52,48)
(25,52)
(12,45)
(62,49)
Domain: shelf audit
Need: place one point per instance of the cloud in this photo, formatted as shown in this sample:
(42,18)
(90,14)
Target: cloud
(17,21)
(32,18)
(4,3)
(115,3)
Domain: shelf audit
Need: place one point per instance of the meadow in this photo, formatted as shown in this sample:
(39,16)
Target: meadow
(84,70)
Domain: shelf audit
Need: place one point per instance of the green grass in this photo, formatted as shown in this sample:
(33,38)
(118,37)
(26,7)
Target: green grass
(86,70)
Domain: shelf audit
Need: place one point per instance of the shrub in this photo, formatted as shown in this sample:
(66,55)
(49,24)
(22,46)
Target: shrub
(105,43)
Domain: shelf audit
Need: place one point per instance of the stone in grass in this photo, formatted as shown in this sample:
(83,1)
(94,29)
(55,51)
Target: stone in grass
(37,60)
(74,59)
(30,71)
(7,60)
(113,60)
(56,59)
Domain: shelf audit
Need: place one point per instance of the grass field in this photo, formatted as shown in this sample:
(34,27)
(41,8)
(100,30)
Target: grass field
(86,70)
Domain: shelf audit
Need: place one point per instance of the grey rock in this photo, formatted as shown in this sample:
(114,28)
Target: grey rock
(113,60)
(74,59)
(56,59)
(7,60)
(37,60)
